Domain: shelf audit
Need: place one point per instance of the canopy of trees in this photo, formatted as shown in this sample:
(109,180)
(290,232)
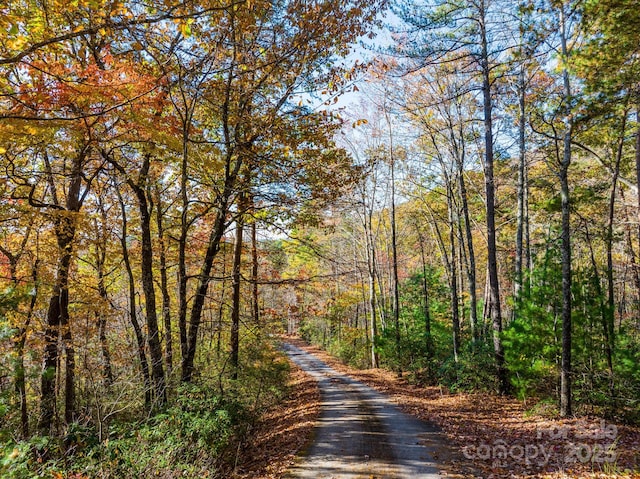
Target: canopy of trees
(178,184)
(138,141)
(493,241)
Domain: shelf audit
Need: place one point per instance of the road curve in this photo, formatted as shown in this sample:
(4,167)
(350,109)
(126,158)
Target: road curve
(360,433)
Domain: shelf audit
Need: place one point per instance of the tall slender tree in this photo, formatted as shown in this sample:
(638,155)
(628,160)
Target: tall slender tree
(444,30)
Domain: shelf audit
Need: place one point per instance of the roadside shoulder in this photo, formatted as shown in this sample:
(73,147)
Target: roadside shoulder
(281,432)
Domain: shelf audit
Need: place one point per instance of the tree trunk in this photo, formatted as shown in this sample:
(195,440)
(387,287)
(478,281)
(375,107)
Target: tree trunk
(148,286)
(102,322)
(471,256)
(69,367)
(604,309)
(394,260)
(255,309)
(425,295)
(371,271)
(182,258)
(139,188)
(372,310)
(450,268)
(453,278)
(133,316)
(58,311)
(520,215)
(204,279)
(528,257)
(221,304)
(21,336)
(198,305)
(494,306)
(164,282)
(58,308)
(635,267)
(235,299)
(637,160)
(20,383)
(609,320)
(565,369)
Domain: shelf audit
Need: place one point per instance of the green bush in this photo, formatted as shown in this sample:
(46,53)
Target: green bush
(29,459)
(351,347)
(193,437)
(532,345)
(475,369)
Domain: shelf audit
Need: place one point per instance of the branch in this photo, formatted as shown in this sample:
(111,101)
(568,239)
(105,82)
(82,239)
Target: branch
(78,117)
(109,25)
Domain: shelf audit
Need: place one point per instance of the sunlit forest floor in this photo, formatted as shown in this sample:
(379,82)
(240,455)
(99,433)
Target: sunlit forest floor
(494,437)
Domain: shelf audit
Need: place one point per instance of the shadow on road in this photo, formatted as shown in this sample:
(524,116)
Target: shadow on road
(360,433)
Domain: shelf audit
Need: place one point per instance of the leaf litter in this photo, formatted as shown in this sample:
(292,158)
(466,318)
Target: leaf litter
(489,436)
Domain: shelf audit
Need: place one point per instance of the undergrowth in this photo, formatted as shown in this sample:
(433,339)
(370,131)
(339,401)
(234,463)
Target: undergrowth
(195,436)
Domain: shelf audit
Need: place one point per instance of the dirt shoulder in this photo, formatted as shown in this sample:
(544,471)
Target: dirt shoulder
(497,437)
(282,432)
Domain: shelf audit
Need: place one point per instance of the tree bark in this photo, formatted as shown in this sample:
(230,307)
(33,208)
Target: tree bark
(471,257)
(394,259)
(148,286)
(371,272)
(58,311)
(139,188)
(204,278)
(235,288)
(494,306)
(520,214)
(255,309)
(565,162)
(453,278)
(182,256)
(133,316)
(164,283)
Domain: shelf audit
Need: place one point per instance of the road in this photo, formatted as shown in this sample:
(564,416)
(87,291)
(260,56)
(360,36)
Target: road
(360,433)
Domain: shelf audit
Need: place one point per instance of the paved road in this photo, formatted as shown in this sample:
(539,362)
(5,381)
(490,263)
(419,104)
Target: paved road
(361,434)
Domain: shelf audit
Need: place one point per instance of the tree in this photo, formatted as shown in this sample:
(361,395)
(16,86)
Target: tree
(565,162)
(444,115)
(291,50)
(564,15)
(428,41)
(139,187)
(609,57)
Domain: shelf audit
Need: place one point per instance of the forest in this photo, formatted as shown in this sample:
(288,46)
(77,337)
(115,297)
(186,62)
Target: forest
(447,189)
